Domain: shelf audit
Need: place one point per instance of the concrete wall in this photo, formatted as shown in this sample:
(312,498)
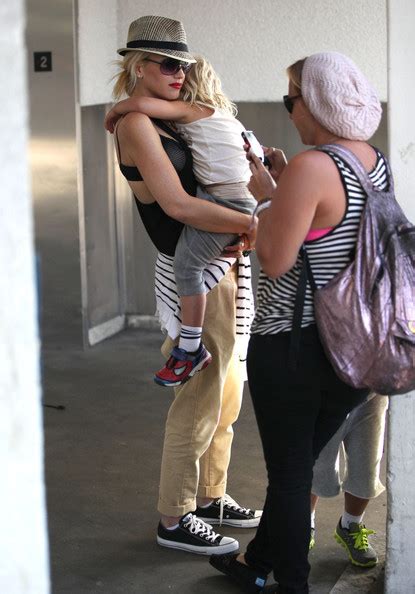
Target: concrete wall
(75,212)
(100,227)
(97,45)
(23,543)
(249,43)
(400,567)
(54,167)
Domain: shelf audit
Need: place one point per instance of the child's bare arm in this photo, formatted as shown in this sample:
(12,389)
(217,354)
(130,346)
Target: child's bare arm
(175,111)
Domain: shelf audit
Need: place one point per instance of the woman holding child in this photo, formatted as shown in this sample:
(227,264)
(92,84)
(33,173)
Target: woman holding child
(159,168)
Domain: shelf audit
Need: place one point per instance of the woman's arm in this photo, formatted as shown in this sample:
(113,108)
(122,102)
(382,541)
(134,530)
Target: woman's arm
(142,143)
(283,226)
(174,111)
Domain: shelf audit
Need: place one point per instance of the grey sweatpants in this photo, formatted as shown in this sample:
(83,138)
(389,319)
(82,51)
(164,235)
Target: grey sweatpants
(361,437)
(196,249)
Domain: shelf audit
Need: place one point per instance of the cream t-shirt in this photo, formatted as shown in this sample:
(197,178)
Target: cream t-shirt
(217,148)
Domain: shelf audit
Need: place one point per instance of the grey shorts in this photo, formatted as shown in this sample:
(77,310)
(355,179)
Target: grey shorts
(196,249)
(361,439)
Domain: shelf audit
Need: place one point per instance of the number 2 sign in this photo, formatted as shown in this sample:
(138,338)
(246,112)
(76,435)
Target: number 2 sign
(42,61)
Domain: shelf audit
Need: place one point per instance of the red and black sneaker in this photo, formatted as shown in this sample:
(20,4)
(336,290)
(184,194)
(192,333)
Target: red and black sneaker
(181,366)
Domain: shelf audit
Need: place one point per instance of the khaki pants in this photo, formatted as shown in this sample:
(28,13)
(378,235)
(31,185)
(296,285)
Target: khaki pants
(198,436)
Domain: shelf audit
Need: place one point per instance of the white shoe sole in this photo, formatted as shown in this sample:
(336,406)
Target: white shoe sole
(231,547)
(253,523)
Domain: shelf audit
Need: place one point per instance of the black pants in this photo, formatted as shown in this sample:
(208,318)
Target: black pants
(297,414)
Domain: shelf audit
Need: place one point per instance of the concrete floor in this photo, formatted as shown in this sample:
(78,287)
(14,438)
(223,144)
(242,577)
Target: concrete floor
(102,467)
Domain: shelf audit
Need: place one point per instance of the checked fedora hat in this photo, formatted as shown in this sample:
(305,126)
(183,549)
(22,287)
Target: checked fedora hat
(158,35)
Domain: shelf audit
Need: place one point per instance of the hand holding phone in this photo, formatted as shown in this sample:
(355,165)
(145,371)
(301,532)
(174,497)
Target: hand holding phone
(254,145)
(277,161)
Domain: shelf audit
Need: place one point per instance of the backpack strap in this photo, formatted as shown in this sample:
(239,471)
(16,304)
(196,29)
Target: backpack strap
(306,274)
(357,167)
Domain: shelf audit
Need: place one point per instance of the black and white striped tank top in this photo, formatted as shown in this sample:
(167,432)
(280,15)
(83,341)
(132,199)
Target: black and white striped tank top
(327,255)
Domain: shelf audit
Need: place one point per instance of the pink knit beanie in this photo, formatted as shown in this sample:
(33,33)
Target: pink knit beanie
(339,96)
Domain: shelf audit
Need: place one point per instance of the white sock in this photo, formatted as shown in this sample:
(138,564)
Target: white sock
(348,519)
(313,519)
(190,338)
(172,527)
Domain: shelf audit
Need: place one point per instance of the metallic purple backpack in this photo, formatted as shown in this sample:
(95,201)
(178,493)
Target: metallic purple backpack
(366,314)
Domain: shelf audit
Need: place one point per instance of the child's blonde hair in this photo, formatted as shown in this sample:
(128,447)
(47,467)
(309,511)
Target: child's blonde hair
(202,86)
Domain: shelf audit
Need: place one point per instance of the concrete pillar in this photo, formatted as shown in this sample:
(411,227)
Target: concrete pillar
(23,543)
(400,566)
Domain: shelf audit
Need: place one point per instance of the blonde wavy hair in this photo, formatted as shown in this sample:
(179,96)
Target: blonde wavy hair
(202,86)
(126,77)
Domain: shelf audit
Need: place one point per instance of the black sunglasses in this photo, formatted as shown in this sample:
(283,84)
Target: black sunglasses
(289,102)
(171,66)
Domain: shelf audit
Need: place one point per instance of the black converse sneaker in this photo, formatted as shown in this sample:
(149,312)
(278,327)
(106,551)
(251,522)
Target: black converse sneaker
(226,511)
(195,536)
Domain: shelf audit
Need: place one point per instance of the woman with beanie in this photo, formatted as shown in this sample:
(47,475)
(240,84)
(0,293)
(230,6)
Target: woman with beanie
(300,402)
(158,166)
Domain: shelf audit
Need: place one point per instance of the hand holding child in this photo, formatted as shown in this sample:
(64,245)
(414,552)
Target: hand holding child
(245,243)
(111,118)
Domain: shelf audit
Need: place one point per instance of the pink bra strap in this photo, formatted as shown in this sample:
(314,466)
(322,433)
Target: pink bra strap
(317,233)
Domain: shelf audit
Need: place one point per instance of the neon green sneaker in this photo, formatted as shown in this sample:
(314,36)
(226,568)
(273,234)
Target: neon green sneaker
(355,540)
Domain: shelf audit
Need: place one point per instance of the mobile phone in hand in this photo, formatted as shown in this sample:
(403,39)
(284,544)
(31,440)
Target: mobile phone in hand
(255,146)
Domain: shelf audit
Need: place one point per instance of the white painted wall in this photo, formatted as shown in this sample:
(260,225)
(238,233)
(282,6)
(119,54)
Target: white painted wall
(249,43)
(401,92)
(97,49)
(400,566)
(23,543)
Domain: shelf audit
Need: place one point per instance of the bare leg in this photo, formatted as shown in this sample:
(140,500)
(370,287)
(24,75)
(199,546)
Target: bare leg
(204,500)
(193,309)
(313,502)
(355,506)
(169,521)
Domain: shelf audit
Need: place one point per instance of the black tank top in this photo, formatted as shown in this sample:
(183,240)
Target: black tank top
(164,231)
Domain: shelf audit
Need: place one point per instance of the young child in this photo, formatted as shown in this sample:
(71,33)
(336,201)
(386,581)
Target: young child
(205,118)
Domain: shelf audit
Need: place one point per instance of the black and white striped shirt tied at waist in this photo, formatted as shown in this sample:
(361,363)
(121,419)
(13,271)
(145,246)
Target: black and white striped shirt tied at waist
(168,301)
